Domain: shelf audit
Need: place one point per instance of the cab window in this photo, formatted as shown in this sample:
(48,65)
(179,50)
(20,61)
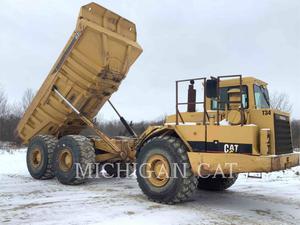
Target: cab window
(261,96)
(225,98)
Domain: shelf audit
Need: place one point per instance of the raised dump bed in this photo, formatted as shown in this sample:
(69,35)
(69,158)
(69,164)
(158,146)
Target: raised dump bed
(89,70)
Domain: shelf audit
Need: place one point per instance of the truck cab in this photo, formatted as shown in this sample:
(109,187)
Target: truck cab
(236,124)
(256,111)
(243,104)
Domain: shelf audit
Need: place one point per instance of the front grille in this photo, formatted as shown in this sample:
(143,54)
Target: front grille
(283,139)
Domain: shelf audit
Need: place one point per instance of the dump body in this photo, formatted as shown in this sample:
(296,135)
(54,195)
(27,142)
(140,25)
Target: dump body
(89,70)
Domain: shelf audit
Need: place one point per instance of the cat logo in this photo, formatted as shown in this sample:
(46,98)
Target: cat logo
(231,148)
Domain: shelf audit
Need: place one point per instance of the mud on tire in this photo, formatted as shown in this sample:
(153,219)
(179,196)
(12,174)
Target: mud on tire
(80,151)
(177,189)
(40,155)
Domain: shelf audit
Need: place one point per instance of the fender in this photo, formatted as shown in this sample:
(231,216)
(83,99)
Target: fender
(154,131)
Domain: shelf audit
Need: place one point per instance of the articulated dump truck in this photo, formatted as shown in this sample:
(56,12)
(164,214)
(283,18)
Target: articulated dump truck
(236,132)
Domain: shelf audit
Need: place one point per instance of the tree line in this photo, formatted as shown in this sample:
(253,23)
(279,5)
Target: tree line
(10,115)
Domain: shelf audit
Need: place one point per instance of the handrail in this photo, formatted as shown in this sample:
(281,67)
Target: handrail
(205,114)
(241,97)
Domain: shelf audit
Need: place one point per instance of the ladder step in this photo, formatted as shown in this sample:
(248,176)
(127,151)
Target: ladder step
(255,175)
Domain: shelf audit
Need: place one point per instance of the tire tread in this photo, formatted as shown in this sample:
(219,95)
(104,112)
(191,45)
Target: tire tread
(189,184)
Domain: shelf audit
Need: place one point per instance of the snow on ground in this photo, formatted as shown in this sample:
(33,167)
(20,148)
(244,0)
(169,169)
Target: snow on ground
(274,199)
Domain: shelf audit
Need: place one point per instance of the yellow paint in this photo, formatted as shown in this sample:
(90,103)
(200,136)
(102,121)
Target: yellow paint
(89,70)
(241,163)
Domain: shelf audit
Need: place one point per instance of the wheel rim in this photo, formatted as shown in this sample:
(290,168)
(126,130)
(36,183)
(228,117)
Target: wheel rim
(36,157)
(158,170)
(65,160)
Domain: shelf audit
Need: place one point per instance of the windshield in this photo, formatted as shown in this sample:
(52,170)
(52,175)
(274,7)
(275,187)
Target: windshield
(261,96)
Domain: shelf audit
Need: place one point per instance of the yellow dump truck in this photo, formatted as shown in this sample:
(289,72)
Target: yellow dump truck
(235,132)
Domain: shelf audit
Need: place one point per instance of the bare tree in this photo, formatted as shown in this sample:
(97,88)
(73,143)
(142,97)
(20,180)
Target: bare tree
(10,115)
(16,109)
(3,103)
(4,117)
(116,128)
(280,101)
(27,98)
(296,133)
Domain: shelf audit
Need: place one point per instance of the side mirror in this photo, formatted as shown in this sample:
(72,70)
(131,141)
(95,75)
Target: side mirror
(211,88)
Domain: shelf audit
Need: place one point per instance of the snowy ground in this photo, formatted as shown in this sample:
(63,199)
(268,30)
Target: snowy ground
(274,199)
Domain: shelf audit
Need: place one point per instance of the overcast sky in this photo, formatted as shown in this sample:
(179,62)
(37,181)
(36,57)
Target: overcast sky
(181,39)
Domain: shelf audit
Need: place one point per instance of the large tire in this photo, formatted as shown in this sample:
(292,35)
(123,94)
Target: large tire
(170,150)
(217,183)
(112,169)
(70,152)
(40,155)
